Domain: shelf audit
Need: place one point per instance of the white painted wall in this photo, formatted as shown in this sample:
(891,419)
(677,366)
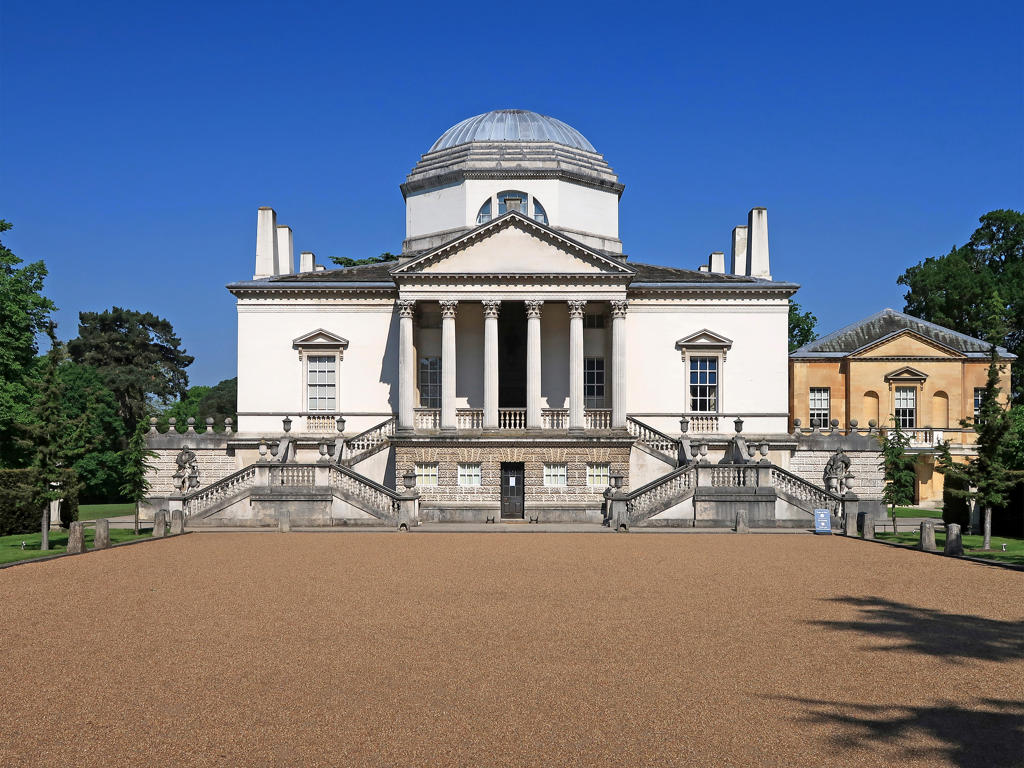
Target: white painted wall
(271,376)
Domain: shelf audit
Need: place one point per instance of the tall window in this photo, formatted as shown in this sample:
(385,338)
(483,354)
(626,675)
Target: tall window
(703,384)
(593,382)
(321,389)
(979,395)
(430,382)
(906,407)
(819,407)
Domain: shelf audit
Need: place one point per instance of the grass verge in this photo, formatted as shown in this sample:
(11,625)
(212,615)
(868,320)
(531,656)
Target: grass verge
(904,512)
(11,551)
(1014,554)
(96,511)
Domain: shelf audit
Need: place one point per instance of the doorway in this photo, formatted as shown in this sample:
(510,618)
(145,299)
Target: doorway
(512,492)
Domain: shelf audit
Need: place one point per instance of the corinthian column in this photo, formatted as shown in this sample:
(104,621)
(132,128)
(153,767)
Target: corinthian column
(576,420)
(533,364)
(406,365)
(619,364)
(491,309)
(448,364)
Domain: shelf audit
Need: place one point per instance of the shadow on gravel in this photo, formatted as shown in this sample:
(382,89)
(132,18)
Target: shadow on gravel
(947,635)
(989,734)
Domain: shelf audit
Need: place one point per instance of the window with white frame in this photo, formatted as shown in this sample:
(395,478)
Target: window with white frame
(555,474)
(979,396)
(597,475)
(703,384)
(469,475)
(593,382)
(321,386)
(906,407)
(430,382)
(426,474)
(820,404)
(484,214)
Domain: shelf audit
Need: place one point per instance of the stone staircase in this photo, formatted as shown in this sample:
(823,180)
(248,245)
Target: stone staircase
(711,495)
(655,443)
(367,443)
(324,493)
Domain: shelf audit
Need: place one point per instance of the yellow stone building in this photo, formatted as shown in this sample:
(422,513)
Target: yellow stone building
(891,367)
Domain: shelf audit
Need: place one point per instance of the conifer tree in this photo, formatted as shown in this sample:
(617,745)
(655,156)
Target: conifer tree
(898,468)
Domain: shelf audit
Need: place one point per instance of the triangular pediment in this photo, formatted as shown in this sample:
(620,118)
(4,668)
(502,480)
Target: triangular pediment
(905,344)
(515,245)
(320,338)
(906,373)
(704,338)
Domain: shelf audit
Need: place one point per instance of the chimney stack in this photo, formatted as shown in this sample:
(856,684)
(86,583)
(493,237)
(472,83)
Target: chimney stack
(716,262)
(739,251)
(757,243)
(285,252)
(307,261)
(266,243)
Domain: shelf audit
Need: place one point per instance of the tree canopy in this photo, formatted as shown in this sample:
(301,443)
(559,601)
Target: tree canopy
(801,326)
(957,290)
(345,261)
(137,354)
(201,402)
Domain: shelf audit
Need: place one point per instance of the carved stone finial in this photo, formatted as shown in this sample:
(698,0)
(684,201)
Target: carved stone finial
(491,308)
(533,307)
(191,421)
(406,307)
(227,425)
(448,307)
(619,308)
(209,423)
(576,307)
(152,425)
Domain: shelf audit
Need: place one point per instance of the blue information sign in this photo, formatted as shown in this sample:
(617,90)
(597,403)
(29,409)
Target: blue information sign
(823,521)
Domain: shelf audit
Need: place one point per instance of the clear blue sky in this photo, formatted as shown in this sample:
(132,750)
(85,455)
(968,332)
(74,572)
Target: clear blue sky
(138,139)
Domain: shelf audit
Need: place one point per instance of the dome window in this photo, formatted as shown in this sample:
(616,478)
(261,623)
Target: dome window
(539,214)
(512,201)
(485,213)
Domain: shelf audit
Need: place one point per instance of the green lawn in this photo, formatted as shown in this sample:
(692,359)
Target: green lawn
(1014,553)
(10,546)
(915,512)
(96,511)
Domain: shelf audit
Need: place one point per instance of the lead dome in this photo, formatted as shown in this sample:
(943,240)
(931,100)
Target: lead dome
(517,125)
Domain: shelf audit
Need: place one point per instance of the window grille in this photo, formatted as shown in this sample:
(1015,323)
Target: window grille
(593,382)
(555,474)
(820,405)
(469,474)
(597,475)
(906,407)
(430,382)
(539,214)
(703,384)
(426,474)
(321,388)
(979,395)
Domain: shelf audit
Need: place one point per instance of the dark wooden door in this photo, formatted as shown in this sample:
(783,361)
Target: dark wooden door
(512,474)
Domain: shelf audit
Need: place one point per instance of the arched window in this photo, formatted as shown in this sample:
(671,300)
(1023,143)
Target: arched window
(512,200)
(539,214)
(485,213)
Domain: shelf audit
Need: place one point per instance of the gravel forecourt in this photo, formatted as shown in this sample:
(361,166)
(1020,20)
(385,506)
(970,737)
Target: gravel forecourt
(463,649)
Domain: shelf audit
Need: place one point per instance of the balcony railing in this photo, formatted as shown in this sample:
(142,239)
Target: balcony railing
(472,419)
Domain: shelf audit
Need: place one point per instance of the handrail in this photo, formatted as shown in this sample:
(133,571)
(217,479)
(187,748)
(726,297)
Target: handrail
(660,481)
(365,480)
(649,428)
(365,432)
(809,484)
(222,481)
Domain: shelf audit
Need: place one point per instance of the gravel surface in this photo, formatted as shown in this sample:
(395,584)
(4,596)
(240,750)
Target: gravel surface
(482,650)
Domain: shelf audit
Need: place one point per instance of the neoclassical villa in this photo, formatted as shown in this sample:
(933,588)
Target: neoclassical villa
(513,362)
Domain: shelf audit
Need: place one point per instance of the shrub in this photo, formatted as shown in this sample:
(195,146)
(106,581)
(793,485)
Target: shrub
(955,507)
(20,509)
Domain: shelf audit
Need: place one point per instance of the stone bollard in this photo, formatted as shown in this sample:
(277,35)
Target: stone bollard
(850,523)
(741,522)
(177,522)
(284,520)
(160,524)
(869,527)
(76,539)
(101,539)
(927,543)
(954,544)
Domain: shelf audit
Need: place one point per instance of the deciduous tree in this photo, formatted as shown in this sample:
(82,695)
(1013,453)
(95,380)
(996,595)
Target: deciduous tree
(801,326)
(898,468)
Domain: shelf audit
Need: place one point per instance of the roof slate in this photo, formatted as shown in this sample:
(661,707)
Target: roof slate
(887,323)
(362,273)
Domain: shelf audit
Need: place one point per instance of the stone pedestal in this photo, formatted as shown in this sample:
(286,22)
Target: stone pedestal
(76,539)
(101,539)
(954,544)
(160,524)
(741,522)
(177,522)
(851,508)
(869,527)
(928,536)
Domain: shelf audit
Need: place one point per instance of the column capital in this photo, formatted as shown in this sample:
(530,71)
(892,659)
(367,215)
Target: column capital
(491,307)
(406,307)
(448,307)
(576,307)
(533,307)
(619,308)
